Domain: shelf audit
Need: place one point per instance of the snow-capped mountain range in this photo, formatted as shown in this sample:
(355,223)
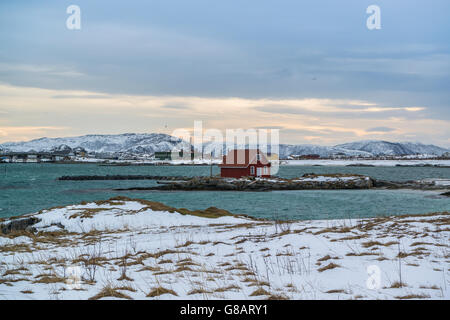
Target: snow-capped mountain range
(149,143)
(131,143)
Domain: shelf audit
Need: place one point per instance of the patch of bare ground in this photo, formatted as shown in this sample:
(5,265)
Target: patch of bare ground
(150,268)
(183,268)
(8,281)
(355,237)
(27,291)
(110,291)
(186,244)
(360,254)
(49,278)
(260,292)
(124,277)
(16,248)
(416,252)
(86,213)
(413,296)
(328,267)
(412,264)
(16,271)
(16,233)
(277,297)
(369,244)
(237,267)
(228,288)
(164,261)
(421,244)
(211,212)
(327,257)
(397,284)
(198,291)
(257,283)
(433,287)
(165,252)
(333,230)
(336,291)
(158,291)
(187,262)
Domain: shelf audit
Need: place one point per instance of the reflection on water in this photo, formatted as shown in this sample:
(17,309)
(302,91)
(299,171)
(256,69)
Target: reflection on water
(29,188)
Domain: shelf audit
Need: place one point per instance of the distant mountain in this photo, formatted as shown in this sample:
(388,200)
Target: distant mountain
(362,148)
(376,147)
(121,143)
(132,143)
(306,149)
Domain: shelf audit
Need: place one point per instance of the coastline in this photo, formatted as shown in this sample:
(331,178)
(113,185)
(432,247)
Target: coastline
(440,163)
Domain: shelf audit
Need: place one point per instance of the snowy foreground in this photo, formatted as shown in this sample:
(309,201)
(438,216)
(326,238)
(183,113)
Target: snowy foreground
(133,249)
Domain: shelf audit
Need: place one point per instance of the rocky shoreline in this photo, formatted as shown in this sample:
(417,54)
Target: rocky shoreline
(122,177)
(306,182)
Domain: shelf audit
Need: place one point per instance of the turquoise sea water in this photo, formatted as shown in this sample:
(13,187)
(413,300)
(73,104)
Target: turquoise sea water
(26,188)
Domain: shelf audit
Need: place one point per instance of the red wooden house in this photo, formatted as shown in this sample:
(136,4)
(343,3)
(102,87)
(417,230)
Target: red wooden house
(245,162)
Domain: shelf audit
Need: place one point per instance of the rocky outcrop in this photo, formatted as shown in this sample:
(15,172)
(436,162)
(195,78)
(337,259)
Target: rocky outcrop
(22,224)
(425,184)
(123,177)
(307,182)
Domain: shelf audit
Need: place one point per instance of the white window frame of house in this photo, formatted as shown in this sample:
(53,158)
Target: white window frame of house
(252,170)
(259,172)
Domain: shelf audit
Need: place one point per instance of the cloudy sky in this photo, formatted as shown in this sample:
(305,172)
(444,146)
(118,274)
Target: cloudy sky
(309,68)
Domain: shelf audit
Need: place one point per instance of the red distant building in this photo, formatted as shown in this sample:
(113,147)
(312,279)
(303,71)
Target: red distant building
(245,162)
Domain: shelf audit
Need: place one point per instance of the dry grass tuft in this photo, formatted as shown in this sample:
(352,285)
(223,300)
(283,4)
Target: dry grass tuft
(277,297)
(327,257)
(336,291)
(87,213)
(397,284)
(228,288)
(413,296)
(198,291)
(328,267)
(27,291)
(110,291)
(49,278)
(158,291)
(260,292)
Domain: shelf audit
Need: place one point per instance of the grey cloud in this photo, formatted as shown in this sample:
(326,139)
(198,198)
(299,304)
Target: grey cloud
(357,113)
(380,129)
(178,106)
(87,96)
(269,127)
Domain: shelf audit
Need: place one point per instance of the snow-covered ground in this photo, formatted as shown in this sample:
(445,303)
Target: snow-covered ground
(124,248)
(150,161)
(346,162)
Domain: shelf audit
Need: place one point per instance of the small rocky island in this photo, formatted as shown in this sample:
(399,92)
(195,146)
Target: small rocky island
(306,182)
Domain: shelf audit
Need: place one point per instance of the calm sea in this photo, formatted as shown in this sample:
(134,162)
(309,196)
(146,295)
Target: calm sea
(26,188)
